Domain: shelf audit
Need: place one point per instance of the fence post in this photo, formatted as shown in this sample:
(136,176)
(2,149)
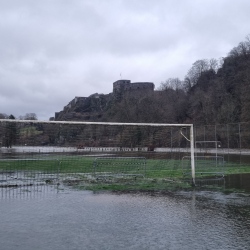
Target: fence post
(227,142)
(216,146)
(192,153)
(240,142)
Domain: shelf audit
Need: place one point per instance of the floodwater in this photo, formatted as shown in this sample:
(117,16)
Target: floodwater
(43,217)
(238,181)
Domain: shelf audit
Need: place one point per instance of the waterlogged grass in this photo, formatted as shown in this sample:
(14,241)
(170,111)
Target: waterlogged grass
(155,168)
(48,166)
(77,171)
(236,169)
(129,184)
(74,164)
(164,173)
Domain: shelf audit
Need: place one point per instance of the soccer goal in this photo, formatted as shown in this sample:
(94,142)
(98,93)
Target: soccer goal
(78,145)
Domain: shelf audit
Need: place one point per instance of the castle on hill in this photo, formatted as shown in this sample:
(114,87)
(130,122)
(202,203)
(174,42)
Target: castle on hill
(83,108)
(124,85)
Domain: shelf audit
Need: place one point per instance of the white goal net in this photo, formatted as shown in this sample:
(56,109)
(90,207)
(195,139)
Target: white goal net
(37,146)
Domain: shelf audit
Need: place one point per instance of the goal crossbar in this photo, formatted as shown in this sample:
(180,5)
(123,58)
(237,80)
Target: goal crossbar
(100,123)
(191,138)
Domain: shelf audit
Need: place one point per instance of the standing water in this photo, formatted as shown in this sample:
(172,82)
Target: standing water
(44,218)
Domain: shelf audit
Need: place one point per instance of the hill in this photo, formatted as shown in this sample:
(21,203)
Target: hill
(213,91)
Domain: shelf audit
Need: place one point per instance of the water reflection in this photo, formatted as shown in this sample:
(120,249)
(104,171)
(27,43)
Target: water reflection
(16,192)
(71,219)
(238,181)
(229,183)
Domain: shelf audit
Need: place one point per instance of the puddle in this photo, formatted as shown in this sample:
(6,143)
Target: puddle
(238,181)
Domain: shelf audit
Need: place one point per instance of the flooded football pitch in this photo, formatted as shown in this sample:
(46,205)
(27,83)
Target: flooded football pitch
(48,217)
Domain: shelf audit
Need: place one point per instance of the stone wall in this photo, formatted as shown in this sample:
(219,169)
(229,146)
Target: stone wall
(121,87)
(124,85)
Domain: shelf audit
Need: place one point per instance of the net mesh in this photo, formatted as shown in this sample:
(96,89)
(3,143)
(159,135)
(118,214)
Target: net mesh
(68,150)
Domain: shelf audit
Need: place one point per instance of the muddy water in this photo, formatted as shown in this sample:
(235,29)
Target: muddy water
(46,218)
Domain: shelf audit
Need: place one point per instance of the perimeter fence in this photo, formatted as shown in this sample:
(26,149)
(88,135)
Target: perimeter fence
(231,141)
(36,152)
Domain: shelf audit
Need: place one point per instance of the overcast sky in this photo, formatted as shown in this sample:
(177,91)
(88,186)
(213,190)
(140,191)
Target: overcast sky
(54,50)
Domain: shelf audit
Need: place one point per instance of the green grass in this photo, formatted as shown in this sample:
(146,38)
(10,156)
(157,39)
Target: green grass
(232,168)
(77,164)
(131,184)
(29,131)
(29,165)
(77,171)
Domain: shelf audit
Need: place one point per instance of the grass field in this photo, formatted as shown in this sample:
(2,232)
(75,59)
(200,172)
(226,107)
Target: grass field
(155,168)
(77,172)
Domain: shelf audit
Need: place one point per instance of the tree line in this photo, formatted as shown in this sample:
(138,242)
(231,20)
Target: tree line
(10,132)
(212,92)
(27,116)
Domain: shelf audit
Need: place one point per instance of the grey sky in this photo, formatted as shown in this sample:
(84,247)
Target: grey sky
(54,50)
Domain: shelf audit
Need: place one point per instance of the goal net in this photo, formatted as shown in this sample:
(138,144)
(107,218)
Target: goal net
(120,166)
(77,145)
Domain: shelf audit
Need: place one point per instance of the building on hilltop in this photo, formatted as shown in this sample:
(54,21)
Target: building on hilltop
(123,86)
(97,102)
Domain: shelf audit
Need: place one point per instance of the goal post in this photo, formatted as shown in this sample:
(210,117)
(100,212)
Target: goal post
(192,153)
(77,144)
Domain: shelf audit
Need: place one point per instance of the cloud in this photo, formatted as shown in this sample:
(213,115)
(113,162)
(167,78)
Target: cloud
(52,51)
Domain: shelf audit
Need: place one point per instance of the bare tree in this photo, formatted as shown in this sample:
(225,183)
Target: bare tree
(3,116)
(243,49)
(221,62)
(171,83)
(30,116)
(213,65)
(234,52)
(196,70)
(11,133)
(248,42)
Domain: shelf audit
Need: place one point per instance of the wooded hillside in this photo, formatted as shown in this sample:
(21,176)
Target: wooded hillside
(213,91)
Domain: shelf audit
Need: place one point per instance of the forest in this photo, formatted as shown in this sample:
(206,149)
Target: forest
(213,92)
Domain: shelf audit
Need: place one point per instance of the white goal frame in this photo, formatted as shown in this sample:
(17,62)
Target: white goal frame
(191,139)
